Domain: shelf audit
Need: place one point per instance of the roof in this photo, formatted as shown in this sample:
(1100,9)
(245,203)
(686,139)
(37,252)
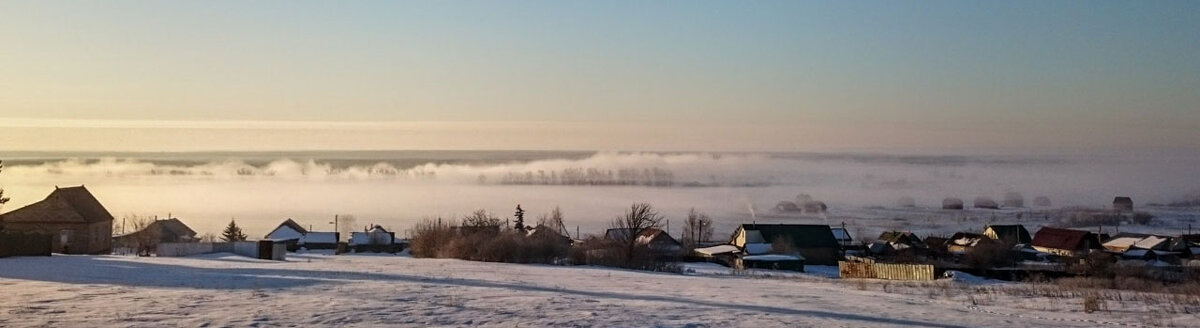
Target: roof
(965,239)
(1122,242)
(773,257)
(841,234)
(901,237)
(719,249)
(172,225)
(1151,242)
(758,248)
(802,235)
(1012,233)
(1063,238)
(290,225)
(63,205)
(653,235)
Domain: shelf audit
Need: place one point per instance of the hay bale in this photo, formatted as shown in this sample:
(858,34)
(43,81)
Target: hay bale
(815,207)
(803,199)
(1123,204)
(1042,201)
(906,202)
(786,206)
(952,203)
(986,202)
(1012,199)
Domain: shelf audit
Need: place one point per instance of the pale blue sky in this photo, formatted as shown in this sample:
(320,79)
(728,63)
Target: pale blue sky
(928,66)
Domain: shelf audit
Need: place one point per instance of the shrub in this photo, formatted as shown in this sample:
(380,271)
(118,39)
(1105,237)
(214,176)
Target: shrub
(989,254)
(435,239)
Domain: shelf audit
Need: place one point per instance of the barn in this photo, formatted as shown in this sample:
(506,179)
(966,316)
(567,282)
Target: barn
(75,219)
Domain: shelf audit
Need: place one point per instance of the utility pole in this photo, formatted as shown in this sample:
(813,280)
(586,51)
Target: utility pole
(335,223)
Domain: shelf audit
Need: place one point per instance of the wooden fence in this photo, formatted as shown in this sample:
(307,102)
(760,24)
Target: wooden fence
(19,244)
(885,271)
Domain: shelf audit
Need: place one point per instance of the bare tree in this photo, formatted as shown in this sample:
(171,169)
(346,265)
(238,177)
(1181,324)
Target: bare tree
(697,229)
(141,234)
(639,218)
(2,198)
(208,237)
(554,221)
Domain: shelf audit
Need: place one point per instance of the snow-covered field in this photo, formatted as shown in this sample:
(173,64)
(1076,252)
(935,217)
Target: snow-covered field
(325,290)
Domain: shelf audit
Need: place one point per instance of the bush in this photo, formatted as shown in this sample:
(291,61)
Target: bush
(437,240)
(989,254)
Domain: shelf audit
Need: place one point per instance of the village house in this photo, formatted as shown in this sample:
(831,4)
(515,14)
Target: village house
(147,239)
(161,231)
(1148,247)
(376,239)
(1009,234)
(1065,242)
(897,242)
(659,242)
(815,243)
(77,222)
(962,242)
(377,235)
(542,231)
(297,237)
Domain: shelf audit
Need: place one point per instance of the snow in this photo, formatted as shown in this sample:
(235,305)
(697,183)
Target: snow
(773,257)
(841,234)
(1122,242)
(758,248)
(719,249)
(1136,252)
(284,233)
(315,289)
(1150,242)
(319,238)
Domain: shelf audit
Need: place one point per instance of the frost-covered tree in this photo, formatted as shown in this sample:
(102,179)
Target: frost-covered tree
(639,218)
(697,229)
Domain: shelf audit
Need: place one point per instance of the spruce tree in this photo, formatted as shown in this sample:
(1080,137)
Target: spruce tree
(233,232)
(520,224)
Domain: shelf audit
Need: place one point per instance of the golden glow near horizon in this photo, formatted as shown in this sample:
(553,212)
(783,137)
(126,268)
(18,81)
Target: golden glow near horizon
(127,135)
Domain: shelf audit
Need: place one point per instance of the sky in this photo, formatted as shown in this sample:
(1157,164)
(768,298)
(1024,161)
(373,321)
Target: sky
(602,75)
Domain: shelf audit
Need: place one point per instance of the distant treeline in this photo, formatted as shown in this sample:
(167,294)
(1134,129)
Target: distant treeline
(654,177)
(651,177)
